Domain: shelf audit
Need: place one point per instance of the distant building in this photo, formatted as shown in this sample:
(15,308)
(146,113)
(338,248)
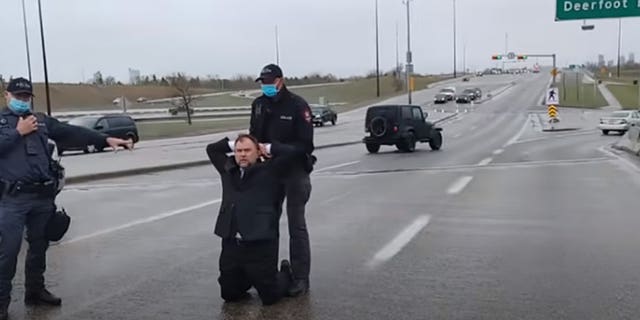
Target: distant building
(134,76)
(601,60)
(632,58)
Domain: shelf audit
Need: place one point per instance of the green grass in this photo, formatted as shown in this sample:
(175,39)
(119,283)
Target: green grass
(626,75)
(627,95)
(357,93)
(581,96)
(159,130)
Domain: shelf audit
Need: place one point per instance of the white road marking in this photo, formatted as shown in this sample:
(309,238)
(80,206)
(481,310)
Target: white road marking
(338,166)
(485,162)
(399,242)
(497,152)
(473,128)
(457,136)
(459,185)
(520,133)
(142,221)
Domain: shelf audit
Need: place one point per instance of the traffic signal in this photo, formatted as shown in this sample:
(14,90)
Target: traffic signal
(496,57)
(522,57)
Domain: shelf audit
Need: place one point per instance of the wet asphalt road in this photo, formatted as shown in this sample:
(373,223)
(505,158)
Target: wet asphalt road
(506,222)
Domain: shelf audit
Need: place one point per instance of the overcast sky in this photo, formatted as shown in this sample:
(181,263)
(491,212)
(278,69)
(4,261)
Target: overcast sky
(229,37)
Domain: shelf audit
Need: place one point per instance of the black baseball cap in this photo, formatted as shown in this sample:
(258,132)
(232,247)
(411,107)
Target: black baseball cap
(20,85)
(270,71)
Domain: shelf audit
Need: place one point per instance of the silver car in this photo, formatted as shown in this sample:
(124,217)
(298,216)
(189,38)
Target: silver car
(619,121)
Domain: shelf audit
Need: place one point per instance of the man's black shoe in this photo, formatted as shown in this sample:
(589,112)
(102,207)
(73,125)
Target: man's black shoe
(41,297)
(298,287)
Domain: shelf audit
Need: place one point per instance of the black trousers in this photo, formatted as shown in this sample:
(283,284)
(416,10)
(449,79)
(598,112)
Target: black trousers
(251,264)
(298,191)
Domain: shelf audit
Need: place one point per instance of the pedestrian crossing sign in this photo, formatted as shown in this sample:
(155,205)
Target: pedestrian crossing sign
(553,96)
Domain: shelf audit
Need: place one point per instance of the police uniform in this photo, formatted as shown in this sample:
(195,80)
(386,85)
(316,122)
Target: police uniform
(248,224)
(286,118)
(28,187)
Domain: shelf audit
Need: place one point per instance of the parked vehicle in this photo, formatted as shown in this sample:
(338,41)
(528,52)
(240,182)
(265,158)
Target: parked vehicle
(117,125)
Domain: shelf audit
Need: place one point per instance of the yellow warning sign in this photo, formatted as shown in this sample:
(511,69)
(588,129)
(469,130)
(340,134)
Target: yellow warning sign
(412,83)
(555,72)
(552,111)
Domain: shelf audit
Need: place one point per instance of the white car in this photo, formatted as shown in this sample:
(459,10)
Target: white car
(450,92)
(619,121)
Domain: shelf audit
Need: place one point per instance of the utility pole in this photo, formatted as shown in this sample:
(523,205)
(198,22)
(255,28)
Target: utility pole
(44,60)
(377,54)
(464,59)
(26,39)
(455,56)
(619,43)
(506,46)
(409,68)
(277,47)
(397,52)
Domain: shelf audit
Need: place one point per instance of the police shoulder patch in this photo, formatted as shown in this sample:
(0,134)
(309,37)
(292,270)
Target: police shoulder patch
(307,114)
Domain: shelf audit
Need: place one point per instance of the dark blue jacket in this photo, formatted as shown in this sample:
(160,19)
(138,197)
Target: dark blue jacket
(27,159)
(285,118)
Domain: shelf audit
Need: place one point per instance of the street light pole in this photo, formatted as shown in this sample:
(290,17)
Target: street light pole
(277,47)
(397,52)
(409,68)
(464,59)
(44,60)
(26,38)
(455,72)
(619,43)
(377,55)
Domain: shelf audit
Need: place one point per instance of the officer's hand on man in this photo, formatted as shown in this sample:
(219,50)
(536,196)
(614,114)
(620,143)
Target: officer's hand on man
(114,143)
(27,125)
(263,151)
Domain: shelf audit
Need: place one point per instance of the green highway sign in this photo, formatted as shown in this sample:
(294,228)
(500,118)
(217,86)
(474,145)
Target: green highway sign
(596,9)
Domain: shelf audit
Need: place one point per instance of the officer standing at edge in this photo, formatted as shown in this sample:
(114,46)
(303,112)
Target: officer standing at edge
(28,188)
(279,116)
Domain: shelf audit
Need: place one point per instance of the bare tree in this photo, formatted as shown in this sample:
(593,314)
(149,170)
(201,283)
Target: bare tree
(183,87)
(110,81)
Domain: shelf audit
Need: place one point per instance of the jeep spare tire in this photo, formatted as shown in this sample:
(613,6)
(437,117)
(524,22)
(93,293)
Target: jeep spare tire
(378,127)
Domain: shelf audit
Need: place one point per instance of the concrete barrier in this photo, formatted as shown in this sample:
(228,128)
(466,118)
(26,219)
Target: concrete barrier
(630,142)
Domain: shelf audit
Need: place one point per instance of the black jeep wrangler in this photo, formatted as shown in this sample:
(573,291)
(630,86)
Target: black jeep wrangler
(399,125)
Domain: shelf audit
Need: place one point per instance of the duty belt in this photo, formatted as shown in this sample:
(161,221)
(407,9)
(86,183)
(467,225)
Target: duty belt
(19,187)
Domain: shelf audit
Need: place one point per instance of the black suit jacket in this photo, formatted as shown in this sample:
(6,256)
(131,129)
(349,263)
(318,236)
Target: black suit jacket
(251,204)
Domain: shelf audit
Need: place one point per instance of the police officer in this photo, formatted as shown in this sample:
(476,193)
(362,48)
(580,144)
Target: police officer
(279,116)
(28,188)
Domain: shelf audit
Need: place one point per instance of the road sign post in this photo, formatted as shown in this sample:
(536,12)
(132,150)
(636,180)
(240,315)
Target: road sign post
(600,9)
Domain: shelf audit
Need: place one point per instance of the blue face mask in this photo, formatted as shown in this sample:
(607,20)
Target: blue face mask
(269,90)
(19,106)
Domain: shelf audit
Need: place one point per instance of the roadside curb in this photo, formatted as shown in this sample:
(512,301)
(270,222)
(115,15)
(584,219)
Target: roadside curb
(169,167)
(626,149)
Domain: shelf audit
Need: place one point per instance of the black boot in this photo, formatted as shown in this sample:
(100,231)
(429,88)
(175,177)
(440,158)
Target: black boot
(299,287)
(41,297)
